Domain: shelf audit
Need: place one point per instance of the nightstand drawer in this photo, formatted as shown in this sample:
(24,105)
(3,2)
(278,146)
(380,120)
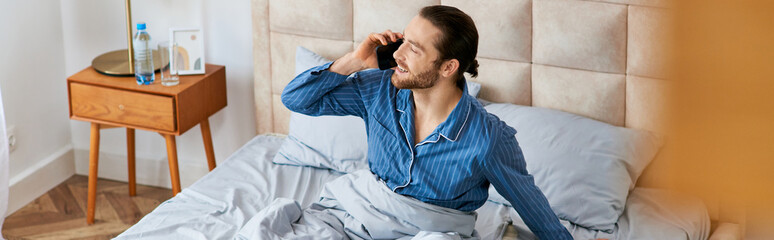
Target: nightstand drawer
(122,106)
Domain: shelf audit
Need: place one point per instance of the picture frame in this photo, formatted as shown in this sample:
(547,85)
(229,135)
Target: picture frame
(188,49)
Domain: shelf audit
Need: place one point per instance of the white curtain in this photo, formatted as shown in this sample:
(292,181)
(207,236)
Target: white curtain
(3,167)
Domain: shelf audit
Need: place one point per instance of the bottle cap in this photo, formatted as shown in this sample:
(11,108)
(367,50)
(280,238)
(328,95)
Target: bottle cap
(141,26)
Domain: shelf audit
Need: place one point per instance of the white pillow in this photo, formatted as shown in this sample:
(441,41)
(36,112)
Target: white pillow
(306,59)
(473,88)
(339,143)
(332,142)
(584,167)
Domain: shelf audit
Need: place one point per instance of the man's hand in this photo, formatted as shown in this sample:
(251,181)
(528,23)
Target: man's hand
(364,56)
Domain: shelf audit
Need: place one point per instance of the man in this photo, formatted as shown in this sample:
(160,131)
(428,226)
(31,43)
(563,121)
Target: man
(427,139)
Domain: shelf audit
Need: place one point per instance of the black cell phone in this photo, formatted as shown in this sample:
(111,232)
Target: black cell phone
(384,54)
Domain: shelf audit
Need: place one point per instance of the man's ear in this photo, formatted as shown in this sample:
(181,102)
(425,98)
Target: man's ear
(449,67)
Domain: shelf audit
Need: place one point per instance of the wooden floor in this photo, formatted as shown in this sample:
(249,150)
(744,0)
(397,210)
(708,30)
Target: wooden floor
(61,212)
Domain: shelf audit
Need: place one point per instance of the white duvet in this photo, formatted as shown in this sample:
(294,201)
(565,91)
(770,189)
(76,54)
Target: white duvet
(359,206)
(220,204)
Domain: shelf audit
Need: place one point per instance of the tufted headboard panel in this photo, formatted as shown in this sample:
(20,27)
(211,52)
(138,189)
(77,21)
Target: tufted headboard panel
(600,59)
(603,59)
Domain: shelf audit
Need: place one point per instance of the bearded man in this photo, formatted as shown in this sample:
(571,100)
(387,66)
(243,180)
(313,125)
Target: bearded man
(428,140)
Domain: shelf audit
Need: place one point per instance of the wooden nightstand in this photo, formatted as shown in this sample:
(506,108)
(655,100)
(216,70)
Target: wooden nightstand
(108,101)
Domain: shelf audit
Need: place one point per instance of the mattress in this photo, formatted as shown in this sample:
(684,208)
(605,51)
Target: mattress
(220,203)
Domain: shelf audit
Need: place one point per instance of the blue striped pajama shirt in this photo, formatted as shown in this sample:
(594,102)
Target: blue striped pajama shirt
(452,167)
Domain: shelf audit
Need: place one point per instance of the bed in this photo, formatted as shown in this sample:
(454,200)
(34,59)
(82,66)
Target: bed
(594,62)
(218,205)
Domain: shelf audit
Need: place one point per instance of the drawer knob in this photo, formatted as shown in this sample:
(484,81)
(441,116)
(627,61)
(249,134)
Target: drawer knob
(120,107)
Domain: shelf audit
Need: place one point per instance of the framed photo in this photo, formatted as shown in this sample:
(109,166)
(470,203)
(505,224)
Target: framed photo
(188,50)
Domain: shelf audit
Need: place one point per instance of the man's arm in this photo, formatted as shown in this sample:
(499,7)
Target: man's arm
(326,89)
(506,170)
(318,91)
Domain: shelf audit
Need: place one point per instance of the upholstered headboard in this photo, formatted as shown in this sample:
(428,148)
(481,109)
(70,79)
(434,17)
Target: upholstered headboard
(600,59)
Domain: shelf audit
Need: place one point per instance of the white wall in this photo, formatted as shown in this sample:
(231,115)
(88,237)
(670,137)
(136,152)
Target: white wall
(92,27)
(34,97)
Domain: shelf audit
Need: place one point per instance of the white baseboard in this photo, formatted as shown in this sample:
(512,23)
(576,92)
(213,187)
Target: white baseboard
(152,172)
(40,178)
(65,162)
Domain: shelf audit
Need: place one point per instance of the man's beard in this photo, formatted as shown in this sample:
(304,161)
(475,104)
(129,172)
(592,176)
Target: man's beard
(423,80)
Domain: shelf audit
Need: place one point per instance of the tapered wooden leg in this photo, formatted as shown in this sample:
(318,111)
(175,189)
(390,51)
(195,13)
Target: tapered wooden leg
(93,166)
(207,138)
(172,156)
(130,161)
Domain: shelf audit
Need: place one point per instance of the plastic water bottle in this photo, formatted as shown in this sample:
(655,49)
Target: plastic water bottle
(143,56)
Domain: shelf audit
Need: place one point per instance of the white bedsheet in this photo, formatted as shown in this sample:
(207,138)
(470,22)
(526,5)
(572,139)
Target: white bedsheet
(219,204)
(359,206)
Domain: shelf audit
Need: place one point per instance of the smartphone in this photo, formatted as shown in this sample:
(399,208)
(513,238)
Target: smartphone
(384,54)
